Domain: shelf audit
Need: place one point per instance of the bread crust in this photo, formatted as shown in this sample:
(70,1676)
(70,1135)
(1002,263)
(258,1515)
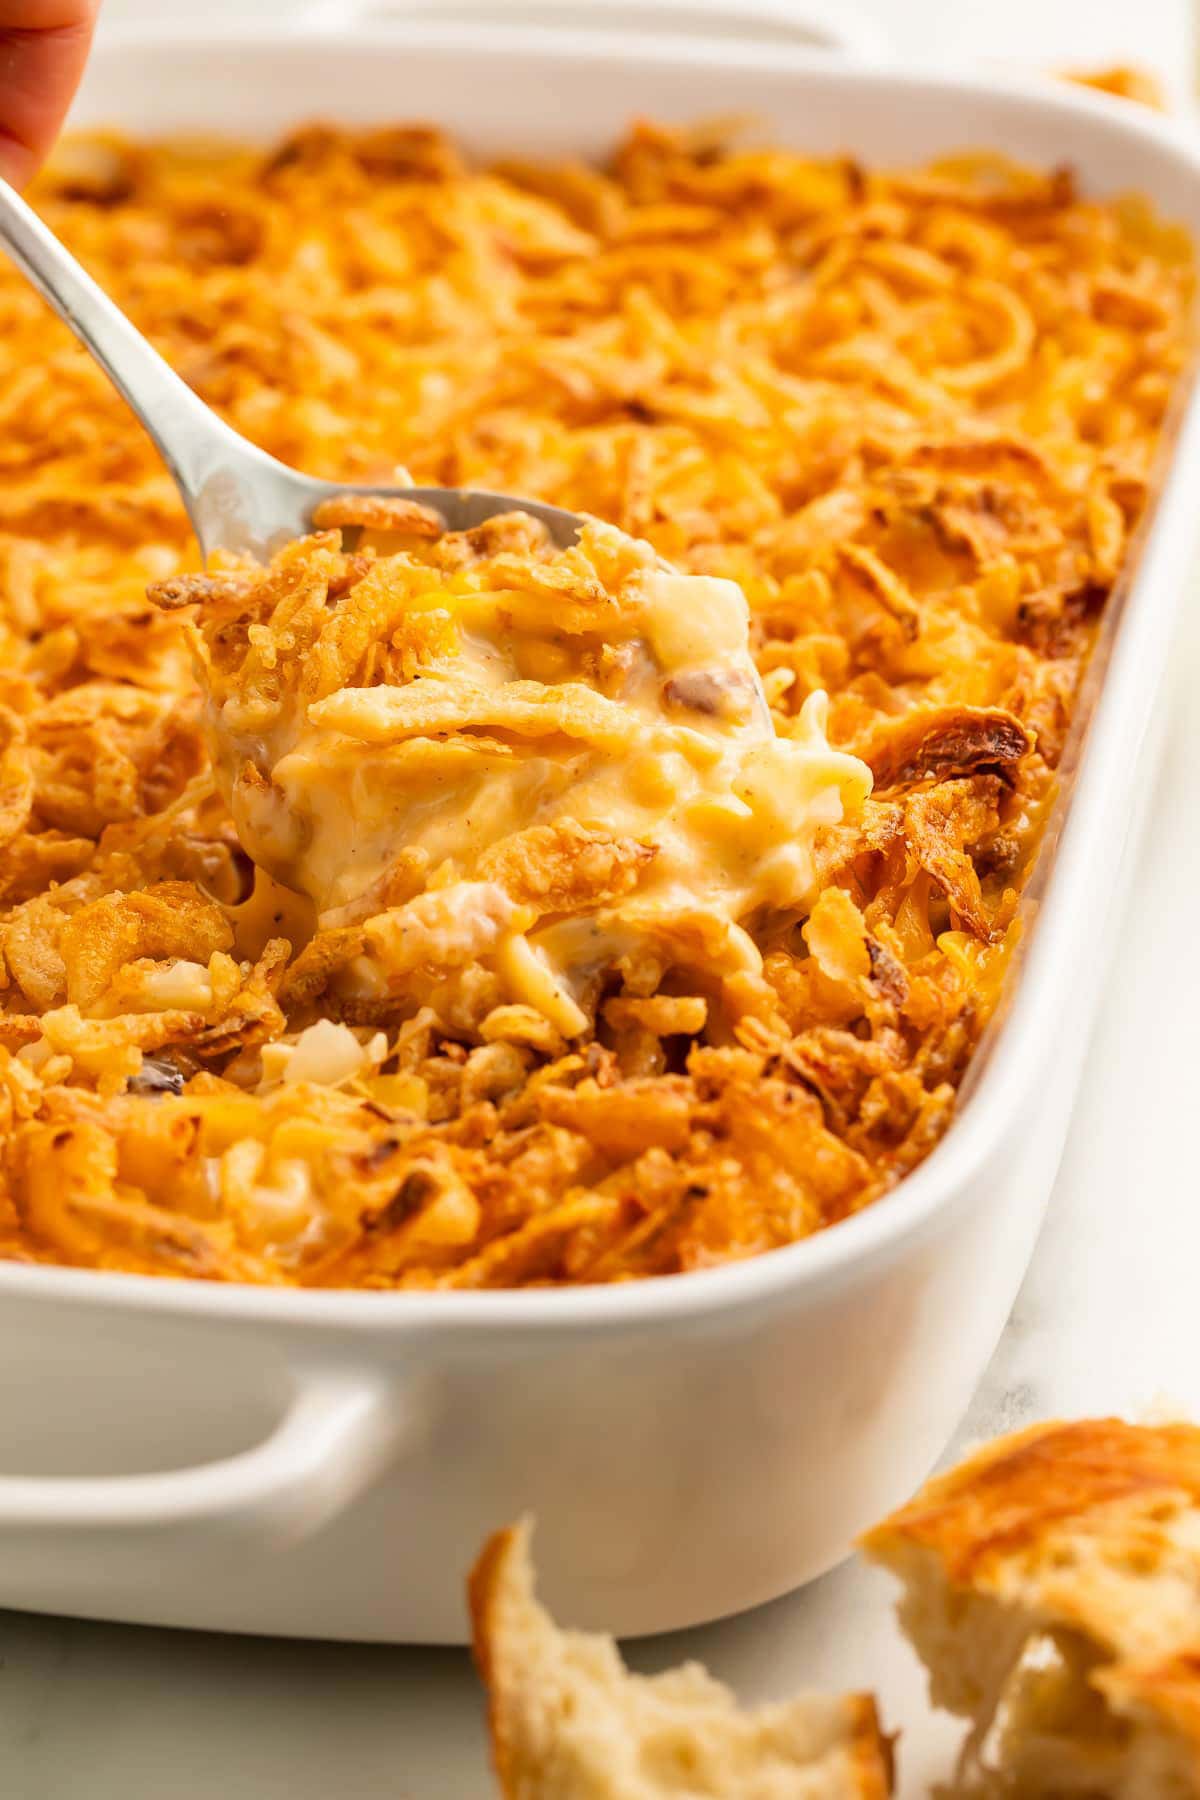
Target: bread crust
(485,1591)
(1092,1528)
(1008,1497)
(505,1621)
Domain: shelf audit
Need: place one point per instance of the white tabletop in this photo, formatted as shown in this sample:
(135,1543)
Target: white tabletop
(1106,1321)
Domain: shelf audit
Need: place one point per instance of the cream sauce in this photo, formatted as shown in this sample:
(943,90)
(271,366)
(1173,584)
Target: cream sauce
(656,730)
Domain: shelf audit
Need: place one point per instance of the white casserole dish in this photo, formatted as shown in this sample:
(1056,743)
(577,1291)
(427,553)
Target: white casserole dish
(326,1464)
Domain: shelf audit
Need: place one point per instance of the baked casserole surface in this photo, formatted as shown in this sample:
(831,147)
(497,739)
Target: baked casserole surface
(912,415)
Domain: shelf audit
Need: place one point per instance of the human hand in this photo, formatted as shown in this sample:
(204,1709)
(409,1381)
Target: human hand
(43,49)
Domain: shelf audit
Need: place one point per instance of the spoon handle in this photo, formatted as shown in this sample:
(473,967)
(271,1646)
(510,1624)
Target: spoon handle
(204,455)
(237,497)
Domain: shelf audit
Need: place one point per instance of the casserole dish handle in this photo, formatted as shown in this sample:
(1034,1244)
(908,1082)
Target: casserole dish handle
(334,1436)
(833,27)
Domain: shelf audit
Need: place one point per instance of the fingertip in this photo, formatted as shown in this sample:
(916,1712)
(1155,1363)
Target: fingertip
(18,164)
(39,73)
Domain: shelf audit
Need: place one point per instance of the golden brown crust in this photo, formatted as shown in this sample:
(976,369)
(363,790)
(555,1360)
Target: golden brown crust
(484,1591)
(561,1703)
(873,1749)
(1012,1495)
(1089,1530)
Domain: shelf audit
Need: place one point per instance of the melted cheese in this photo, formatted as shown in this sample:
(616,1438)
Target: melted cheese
(658,733)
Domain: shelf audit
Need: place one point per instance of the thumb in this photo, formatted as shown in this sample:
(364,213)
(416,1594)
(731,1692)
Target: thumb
(43,48)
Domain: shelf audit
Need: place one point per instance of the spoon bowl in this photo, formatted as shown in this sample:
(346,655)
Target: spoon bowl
(237,497)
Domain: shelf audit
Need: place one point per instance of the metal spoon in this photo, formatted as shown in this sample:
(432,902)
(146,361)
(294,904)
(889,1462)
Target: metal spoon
(237,497)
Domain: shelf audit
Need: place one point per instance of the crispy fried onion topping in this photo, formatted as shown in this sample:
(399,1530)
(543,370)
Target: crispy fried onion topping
(651,1009)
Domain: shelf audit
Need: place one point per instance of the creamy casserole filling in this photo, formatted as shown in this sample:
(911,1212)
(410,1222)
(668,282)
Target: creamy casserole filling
(589,705)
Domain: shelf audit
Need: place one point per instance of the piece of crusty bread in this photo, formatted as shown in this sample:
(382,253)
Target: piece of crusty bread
(569,1722)
(1052,1589)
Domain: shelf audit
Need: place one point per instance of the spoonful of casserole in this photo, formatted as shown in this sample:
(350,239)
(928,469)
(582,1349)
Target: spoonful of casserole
(479,750)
